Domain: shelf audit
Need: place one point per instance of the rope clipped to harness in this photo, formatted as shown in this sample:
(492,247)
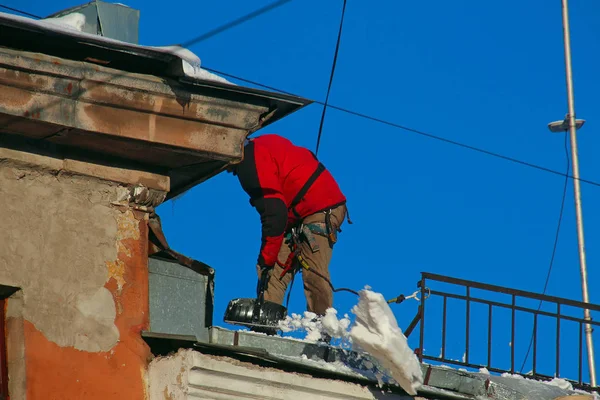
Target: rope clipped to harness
(296,261)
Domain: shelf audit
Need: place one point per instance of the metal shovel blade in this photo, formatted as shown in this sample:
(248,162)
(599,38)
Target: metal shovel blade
(244,311)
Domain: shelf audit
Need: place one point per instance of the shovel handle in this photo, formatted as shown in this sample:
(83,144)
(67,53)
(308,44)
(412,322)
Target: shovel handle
(262,282)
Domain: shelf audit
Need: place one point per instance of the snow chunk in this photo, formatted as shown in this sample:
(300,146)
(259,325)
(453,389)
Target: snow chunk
(376,331)
(509,375)
(335,328)
(308,322)
(74,21)
(561,383)
(316,327)
(484,370)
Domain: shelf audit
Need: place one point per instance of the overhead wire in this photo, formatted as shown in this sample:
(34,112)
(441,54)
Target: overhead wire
(335,57)
(195,40)
(204,36)
(20,11)
(235,23)
(272,6)
(555,246)
(408,129)
(326,104)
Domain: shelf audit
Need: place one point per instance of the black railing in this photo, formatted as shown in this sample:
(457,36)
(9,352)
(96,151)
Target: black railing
(429,295)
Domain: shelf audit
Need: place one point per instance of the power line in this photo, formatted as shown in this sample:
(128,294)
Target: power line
(408,129)
(20,11)
(560,215)
(203,36)
(235,23)
(335,56)
(325,104)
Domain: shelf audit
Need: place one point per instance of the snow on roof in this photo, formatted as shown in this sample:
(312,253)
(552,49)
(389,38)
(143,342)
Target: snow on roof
(375,331)
(72,25)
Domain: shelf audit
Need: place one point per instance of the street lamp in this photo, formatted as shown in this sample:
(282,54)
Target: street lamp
(563,126)
(571,124)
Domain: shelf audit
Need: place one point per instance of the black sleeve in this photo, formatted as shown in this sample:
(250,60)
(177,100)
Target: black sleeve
(269,204)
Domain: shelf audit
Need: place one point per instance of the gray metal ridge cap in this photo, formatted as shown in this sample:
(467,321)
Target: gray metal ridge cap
(486,386)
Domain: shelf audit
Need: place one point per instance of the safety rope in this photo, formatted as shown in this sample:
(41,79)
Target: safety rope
(301,264)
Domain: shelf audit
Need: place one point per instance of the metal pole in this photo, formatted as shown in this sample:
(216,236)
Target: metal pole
(577,189)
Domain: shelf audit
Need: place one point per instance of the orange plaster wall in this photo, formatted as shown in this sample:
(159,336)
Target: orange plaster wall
(65,373)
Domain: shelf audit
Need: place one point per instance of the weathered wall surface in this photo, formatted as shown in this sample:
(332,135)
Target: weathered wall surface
(189,375)
(82,267)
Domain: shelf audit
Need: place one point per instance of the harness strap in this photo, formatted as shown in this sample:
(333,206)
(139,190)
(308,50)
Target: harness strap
(304,189)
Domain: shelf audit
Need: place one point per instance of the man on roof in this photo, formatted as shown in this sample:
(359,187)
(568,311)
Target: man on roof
(290,188)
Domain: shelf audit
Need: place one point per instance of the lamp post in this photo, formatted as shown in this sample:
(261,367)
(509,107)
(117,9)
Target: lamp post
(571,124)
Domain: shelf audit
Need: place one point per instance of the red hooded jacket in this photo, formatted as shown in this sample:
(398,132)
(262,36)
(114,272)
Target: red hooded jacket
(272,172)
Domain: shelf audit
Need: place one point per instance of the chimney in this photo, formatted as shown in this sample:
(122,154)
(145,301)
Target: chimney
(111,20)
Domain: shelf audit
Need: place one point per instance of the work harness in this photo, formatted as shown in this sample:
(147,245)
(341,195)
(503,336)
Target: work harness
(306,232)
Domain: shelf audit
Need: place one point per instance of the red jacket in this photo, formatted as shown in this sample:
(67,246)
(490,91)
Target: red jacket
(272,172)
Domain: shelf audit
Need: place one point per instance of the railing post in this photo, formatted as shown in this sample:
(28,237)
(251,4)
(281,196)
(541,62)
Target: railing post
(489,363)
(580,353)
(512,336)
(468,325)
(422,305)
(557,340)
(444,328)
(535,318)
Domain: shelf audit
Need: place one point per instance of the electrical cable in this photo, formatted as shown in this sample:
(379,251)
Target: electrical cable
(335,57)
(203,36)
(342,289)
(20,11)
(560,215)
(345,110)
(408,129)
(235,23)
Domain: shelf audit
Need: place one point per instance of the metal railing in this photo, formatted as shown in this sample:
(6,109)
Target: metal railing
(429,296)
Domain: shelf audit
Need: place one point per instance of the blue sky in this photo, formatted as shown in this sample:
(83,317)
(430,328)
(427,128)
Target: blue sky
(489,74)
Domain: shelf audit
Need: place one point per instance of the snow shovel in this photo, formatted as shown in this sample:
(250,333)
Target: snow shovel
(258,314)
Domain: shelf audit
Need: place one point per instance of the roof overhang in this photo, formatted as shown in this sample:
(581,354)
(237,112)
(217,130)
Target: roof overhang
(138,109)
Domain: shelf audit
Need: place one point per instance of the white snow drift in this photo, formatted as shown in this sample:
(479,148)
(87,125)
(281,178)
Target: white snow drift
(375,331)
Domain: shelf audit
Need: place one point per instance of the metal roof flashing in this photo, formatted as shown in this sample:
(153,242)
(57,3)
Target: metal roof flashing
(114,99)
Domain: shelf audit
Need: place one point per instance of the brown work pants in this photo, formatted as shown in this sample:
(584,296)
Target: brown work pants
(319,295)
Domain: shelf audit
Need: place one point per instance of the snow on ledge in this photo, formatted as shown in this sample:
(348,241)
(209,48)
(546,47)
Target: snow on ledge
(375,331)
(72,25)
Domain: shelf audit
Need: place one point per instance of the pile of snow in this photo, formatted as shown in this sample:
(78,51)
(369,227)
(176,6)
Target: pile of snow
(336,328)
(74,21)
(191,64)
(308,322)
(315,326)
(73,24)
(561,383)
(376,331)
(558,382)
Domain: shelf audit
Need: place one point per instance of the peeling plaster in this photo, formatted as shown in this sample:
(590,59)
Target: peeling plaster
(60,238)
